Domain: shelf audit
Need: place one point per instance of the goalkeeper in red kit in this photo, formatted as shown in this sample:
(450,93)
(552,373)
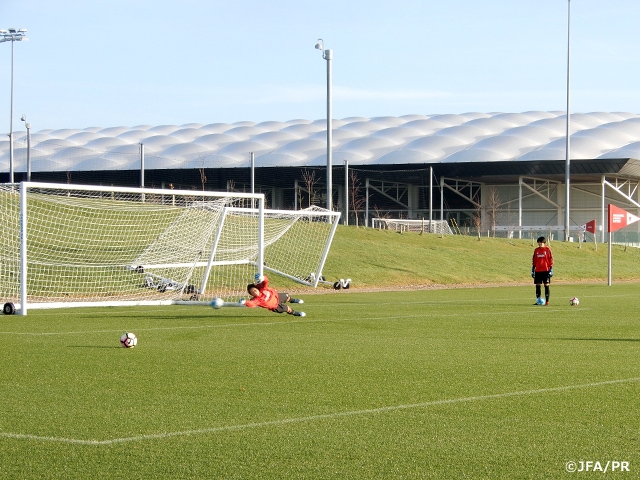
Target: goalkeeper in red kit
(542,269)
(266,297)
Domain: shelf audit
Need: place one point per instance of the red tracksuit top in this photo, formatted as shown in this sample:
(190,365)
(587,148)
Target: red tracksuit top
(542,259)
(267,298)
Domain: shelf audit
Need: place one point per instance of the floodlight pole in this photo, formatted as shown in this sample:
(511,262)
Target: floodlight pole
(327,55)
(142,169)
(28,127)
(567,168)
(430,198)
(141,165)
(12,35)
(346,193)
(253,173)
(253,179)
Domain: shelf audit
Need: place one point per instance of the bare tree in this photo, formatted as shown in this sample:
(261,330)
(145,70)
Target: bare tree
(357,200)
(203,177)
(382,215)
(476,220)
(299,195)
(310,180)
(493,207)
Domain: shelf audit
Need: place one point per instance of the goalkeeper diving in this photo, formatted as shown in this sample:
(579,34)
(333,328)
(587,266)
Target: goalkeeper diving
(266,297)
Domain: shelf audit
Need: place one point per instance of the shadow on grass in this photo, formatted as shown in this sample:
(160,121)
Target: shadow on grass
(94,346)
(600,339)
(569,339)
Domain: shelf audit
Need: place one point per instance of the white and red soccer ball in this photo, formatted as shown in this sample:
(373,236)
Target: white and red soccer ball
(128,340)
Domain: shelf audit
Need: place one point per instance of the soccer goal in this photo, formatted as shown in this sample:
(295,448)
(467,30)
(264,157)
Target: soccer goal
(413,225)
(73,245)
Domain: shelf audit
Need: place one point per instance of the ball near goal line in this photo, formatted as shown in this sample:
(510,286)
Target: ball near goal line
(217,303)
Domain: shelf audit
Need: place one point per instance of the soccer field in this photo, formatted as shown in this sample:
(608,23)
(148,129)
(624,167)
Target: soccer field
(460,383)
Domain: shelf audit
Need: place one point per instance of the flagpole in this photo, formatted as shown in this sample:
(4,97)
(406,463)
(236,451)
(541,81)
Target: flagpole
(567,165)
(609,268)
(609,222)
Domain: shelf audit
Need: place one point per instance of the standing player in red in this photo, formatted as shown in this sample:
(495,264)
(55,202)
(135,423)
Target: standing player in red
(542,269)
(266,297)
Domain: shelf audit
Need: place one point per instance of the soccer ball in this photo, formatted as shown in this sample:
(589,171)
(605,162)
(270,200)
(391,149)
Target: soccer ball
(128,340)
(217,303)
(574,302)
(540,301)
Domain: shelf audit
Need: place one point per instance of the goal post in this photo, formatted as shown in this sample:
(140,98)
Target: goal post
(296,242)
(73,245)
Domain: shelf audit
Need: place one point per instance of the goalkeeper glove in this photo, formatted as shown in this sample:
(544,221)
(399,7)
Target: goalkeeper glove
(533,272)
(551,272)
(259,278)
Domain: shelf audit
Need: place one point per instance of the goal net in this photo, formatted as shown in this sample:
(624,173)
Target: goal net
(413,225)
(72,245)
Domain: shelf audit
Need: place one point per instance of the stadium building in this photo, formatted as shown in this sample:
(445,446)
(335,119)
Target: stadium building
(488,173)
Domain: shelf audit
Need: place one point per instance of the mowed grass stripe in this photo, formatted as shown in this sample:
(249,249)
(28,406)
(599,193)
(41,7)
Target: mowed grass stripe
(371,411)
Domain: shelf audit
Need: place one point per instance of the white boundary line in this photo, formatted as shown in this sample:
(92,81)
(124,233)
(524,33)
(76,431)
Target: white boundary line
(286,421)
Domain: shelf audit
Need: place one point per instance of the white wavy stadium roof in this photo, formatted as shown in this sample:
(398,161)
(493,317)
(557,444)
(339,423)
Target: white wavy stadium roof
(409,139)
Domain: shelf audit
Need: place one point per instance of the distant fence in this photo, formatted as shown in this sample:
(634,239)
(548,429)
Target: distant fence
(546,230)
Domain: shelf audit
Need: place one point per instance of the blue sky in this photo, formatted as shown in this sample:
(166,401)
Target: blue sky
(111,63)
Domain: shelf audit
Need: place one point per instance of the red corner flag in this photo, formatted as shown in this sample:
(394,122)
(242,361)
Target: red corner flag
(590,227)
(619,218)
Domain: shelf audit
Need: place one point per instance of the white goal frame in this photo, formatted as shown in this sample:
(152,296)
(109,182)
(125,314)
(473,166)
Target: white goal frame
(413,225)
(18,223)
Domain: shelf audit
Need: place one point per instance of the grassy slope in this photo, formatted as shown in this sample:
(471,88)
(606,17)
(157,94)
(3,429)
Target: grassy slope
(373,258)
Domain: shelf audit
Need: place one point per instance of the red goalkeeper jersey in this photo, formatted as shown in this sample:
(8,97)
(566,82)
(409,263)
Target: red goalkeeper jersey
(267,298)
(542,259)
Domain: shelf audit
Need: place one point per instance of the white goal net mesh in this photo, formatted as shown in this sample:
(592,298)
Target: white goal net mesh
(413,225)
(87,246)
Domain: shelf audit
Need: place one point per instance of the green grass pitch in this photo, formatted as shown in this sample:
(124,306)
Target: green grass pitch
(460,383)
